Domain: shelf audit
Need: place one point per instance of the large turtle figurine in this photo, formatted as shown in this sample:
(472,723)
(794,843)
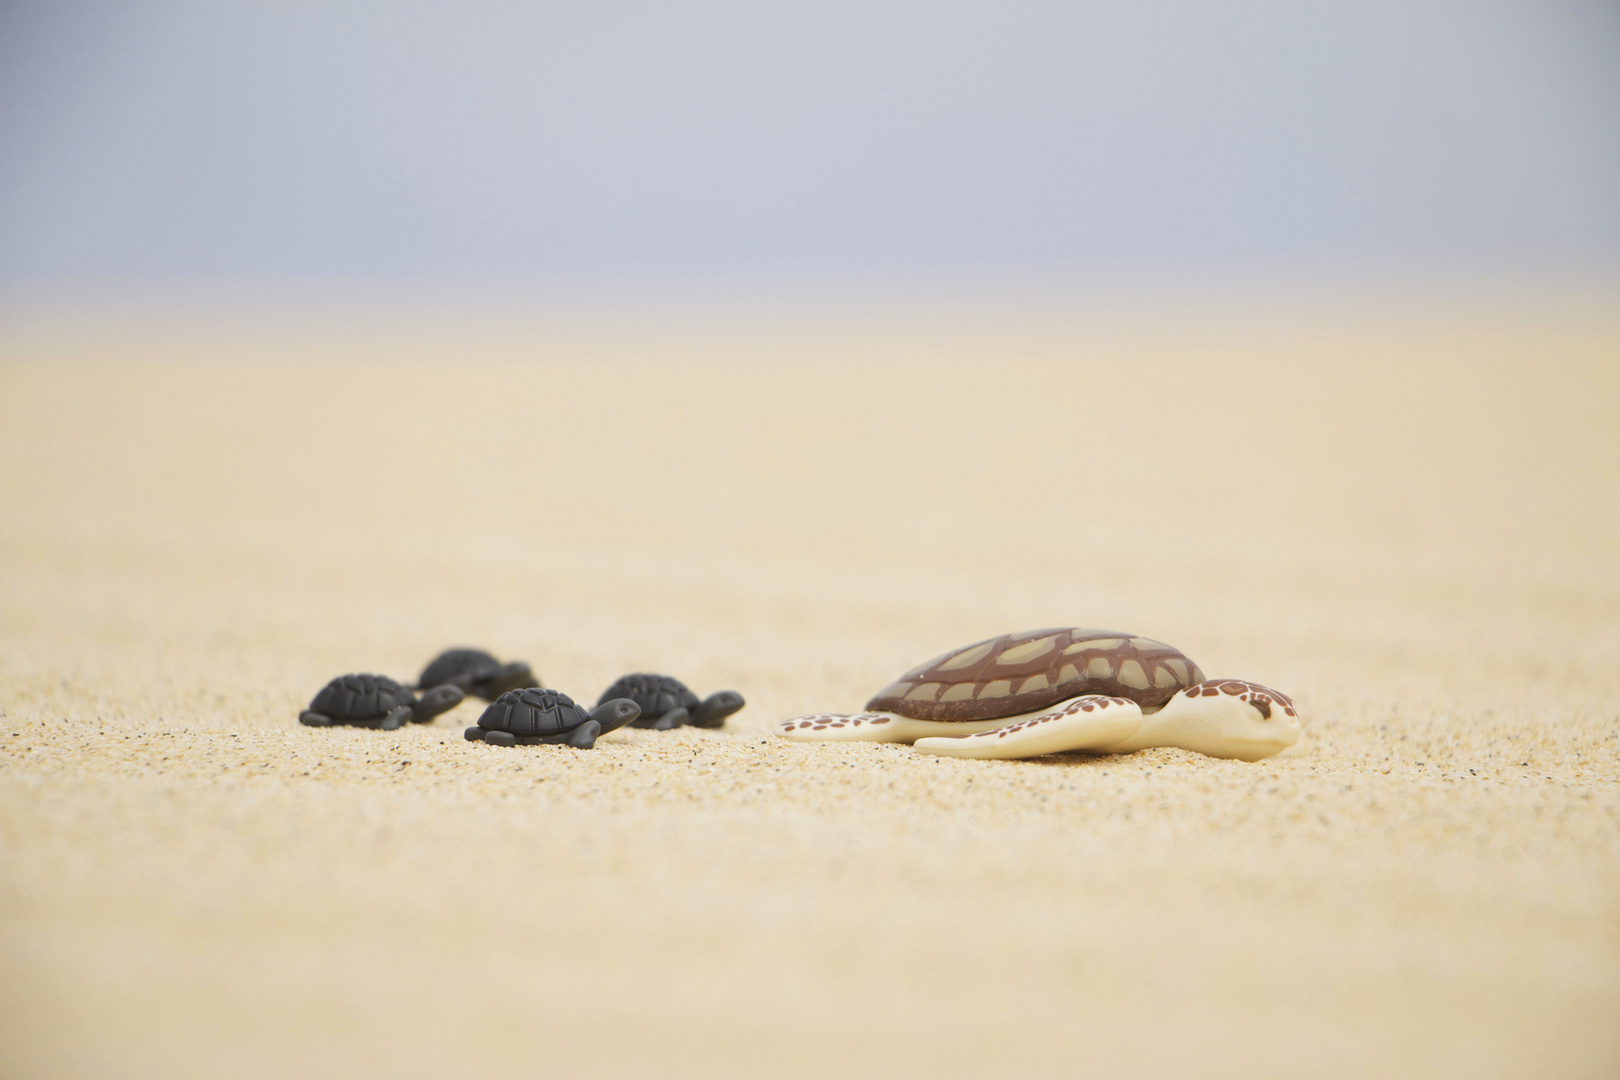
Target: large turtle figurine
(476,672)
(666,703)
(1054,690)
(376,701)
(529,716)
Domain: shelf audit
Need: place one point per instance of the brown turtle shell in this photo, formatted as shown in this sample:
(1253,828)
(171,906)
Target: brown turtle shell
(1019,673)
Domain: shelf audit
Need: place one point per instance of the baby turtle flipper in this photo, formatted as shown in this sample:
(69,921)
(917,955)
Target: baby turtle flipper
(672,719)
(584,737)
(514,676)
(712,711)
(440,699)
(615,714)
(314,719)
(474,734)
(395,719)
(500,738)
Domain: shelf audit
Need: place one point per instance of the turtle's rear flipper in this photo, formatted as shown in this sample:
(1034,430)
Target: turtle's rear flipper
(1087,723)
(672,719)
(395,719)
(440,699)
(615,713)
(712,711)
(514,676)
(314,719)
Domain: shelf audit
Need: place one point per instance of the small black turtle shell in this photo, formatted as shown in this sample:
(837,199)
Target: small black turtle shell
(453,665)
(361,697)
(476,672)
(533,712)
(655,694)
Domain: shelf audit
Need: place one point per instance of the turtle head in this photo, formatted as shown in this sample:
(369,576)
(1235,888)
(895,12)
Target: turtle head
(1233,718)
(615,713)
(712,711)
(441,698)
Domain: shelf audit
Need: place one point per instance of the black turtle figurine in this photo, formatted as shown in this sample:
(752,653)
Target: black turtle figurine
(376,701)
(528,716)
(476,672)
(666,703)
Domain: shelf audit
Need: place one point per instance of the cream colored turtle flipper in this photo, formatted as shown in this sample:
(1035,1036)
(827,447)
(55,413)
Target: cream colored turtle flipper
(1082,723)
(1224,718)
(876,727)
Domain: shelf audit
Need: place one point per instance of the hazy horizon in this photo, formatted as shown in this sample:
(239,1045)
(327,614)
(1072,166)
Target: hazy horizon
(171,141)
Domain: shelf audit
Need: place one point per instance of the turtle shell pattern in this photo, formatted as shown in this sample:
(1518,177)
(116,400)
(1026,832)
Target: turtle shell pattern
(655,694)
(533,712)
(1019,673)
(361,697)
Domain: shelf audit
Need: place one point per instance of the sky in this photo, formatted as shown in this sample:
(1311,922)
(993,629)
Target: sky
(174,140)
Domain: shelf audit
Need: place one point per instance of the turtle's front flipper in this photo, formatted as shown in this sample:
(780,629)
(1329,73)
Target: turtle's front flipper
(395,719)
(712,711)
(440,699)
(584,737)
(1084,723)
(615,714)
(672,719)
(314,719)
(876,727)
(474,734)
(514,676)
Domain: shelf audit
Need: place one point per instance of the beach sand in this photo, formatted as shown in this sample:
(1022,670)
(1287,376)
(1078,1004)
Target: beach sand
(1410,524)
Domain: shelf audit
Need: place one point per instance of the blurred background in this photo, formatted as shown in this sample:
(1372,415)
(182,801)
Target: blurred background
(188,144)
(780,347)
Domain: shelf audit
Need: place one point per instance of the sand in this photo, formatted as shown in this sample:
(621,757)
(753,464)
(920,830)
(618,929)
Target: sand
(1408,523)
